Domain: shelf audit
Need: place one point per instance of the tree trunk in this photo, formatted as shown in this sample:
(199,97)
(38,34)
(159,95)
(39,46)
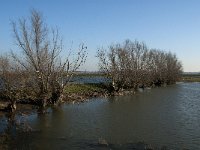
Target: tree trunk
(57,97)
(12,106)
(42,101)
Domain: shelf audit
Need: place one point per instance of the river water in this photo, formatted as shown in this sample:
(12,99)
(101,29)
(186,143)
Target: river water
(167,116)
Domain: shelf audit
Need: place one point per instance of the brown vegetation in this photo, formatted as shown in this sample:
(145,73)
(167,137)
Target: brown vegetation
(133,65)
(39,73)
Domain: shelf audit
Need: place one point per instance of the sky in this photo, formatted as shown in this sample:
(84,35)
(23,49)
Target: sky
(171,25)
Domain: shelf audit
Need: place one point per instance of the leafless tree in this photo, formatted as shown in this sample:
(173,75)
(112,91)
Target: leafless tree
(41,48)
(133,65)
(11,81)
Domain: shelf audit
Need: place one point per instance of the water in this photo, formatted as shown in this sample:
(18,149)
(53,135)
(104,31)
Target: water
(168,116)
(90,79)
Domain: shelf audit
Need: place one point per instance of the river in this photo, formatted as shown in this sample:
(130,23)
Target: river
(167,116)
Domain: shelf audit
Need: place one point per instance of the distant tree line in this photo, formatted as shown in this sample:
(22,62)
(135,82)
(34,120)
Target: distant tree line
(133,65)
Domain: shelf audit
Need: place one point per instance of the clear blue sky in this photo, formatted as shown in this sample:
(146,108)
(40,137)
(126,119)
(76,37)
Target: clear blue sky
(166,24)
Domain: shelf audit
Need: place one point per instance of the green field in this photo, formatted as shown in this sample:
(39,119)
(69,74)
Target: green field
(191,78)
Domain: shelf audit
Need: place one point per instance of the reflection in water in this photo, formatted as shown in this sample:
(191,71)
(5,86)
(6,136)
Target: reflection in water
(161,117)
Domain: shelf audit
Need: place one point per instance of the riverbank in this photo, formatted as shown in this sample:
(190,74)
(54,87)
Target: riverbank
(75,93)
(81,92)
(87,86)
(191,78)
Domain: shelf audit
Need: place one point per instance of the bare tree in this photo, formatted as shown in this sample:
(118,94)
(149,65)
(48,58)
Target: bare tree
(133,65)
(41,58)
(11,81)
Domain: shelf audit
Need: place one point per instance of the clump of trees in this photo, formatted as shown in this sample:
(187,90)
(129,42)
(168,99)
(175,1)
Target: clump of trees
(38,73)
(134,65)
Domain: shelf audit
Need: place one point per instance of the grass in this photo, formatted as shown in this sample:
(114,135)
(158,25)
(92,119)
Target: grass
(81,92)
(191,78)
(83,88)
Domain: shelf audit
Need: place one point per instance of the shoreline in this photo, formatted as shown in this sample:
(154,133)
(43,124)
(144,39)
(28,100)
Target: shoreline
(74,93)
(79,93)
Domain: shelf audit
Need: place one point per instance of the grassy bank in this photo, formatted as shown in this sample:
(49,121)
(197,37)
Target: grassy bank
(74,92)
(80,92)
(84,88)
(191,78)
